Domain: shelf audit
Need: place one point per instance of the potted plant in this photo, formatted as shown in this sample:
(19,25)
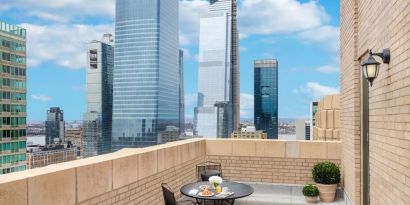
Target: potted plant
(311,193)
(327,175)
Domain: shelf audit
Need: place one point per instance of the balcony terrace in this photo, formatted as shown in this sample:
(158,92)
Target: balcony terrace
(276,170)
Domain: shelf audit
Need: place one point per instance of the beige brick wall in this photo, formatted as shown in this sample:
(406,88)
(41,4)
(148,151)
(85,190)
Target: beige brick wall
(267,169)
(288,162)
(377,24)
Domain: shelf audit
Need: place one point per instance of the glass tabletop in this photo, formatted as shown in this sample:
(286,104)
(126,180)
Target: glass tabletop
(240,190)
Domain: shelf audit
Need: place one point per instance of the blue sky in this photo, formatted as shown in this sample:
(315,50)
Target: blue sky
(303,35)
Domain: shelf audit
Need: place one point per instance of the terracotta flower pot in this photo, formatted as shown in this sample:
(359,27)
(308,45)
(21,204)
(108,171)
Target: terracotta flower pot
(327,192)
(311,199)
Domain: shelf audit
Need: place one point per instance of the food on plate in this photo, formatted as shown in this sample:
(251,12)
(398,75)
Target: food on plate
(206,192)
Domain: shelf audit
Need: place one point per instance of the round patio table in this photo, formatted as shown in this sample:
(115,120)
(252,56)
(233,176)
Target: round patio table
(240,190)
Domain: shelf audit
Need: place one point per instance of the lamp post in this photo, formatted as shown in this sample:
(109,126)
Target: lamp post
(371,67)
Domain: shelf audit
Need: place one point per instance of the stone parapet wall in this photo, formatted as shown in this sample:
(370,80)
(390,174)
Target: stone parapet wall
(134,176)
(127,176)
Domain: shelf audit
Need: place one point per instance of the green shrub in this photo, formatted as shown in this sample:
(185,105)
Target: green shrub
(326,173)
(310,190)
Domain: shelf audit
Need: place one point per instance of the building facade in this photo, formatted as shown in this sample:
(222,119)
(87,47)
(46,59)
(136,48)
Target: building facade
(327,119)
(75,137)
(55,125)
(181,93)
(97,123)
(146,75)
(248,135)
(375,122)
(217,113)
(313,110)
(266,97)
(13,98)
(40,157)
(302,129)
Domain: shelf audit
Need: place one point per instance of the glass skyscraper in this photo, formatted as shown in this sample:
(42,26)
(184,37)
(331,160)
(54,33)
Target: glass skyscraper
(55,125)
(97,122)
(217,113)
(266,97)
(12,98)
(146,72)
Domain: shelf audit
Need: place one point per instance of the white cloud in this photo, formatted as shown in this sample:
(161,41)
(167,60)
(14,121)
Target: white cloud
(190,13)
(314,90)
(43,98)
(64,45)
(332,67)
(328,69)
(247,103)
(55,10)
(317,91)
(326,35)
(50,17)
(273,16)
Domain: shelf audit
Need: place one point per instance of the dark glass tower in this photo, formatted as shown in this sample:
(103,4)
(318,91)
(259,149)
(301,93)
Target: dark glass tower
(55,125)
(266,97)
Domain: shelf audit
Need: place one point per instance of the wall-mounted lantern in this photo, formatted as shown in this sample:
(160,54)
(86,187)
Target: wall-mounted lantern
(371,67)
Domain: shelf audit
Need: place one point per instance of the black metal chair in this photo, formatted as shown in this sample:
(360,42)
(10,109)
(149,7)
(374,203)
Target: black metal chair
(208,169)
(169,197)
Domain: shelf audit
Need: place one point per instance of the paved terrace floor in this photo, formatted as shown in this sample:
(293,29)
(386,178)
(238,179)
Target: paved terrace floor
(274,194)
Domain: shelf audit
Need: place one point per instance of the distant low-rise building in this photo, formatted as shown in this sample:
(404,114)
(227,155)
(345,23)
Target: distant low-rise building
(75,136)
(170,134)
(39,156)
(248,129)
(249,135)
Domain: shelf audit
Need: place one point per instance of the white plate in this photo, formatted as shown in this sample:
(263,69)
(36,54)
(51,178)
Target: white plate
(200,194)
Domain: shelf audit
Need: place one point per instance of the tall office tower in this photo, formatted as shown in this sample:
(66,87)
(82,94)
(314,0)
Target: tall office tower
(181,93)
(266,96)
(97,122)
(13,98)
(313,110)
(217,113)
(55,125)
(146,74)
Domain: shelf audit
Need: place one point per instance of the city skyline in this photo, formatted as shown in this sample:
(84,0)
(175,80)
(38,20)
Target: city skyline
(314,29)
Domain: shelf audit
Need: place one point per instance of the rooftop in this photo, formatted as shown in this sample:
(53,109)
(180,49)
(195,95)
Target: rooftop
(12,29)
(134,176)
